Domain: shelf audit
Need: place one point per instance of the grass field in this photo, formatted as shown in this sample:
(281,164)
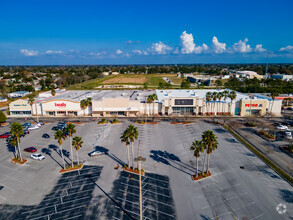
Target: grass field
(152,80)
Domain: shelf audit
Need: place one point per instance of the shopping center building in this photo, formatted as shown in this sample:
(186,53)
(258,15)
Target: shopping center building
(131,103)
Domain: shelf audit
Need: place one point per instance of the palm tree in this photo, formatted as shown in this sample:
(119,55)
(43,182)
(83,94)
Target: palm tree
(70,129)
(210,141)
(60,136)
(225,95)
(232,96)
(77,143)
(83,105)
(132,134)
(288,100)
(53,92)
(215,97)
(31,101)
(274,94)
(197,148)
(125,139)
(208,97)
(17,131)
(219,96)
(154,97)
(89,102)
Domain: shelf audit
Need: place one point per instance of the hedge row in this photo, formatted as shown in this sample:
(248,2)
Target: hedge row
(261,156)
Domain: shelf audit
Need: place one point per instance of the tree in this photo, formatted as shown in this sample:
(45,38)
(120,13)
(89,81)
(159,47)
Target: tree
(219,96)
(17,131)
(83,105)
(208,98)
(210,141)
(219,83)
(2,117)
(132,134)
(225,95)
(77,144)
(161,85)
(53,92)
(274,94)
(185,84)
(288,100)
(197,148)
(70,129)
(60,136)
(232,96)
(215,97)
(89,102)
(31,101)
(145,85)
(125,139)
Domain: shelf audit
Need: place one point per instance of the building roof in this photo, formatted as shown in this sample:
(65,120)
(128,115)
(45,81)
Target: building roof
(19,92)
(199,93)
(96,95)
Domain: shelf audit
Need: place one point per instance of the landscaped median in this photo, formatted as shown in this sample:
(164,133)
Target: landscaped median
(71,169)
(135,171)
(201,176)
(260,155)
(17,160)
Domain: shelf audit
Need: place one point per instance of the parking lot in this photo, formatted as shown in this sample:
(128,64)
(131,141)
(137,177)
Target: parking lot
(241,186)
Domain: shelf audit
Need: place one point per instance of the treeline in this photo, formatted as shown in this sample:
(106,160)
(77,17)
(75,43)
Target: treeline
(260,86)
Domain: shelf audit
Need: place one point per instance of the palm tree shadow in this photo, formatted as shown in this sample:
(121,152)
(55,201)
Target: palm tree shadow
(11,148)
(160,159)
(173,158)
(49,153)
(57,150)
(111,155)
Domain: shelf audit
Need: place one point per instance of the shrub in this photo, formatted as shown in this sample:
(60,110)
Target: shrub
(250,124)
(115,121)
(2,117)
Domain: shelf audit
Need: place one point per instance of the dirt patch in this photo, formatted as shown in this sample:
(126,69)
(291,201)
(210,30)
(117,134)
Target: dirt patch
(125,79)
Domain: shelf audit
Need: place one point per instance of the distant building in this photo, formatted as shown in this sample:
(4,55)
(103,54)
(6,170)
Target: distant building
(114,73)
(18,94)
(105,73)
(282,77)
(248,74)
(203,79)
(3,99)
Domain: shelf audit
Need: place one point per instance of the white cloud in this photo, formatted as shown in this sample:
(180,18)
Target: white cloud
(53,52)
(187,43)
(217,46)
(201,49)
(29,53)
(118,52)
(139,52)
(176,51)
(132,42)
(259,48)
(287,48)
(98,54)
(241,46)
(160,48)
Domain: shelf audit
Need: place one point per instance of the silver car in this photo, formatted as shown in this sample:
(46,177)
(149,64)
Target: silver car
(95,153)
(37,156)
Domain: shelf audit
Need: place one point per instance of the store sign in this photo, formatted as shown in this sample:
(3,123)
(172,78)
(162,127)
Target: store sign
(183,101)
(62,105)
(253,105)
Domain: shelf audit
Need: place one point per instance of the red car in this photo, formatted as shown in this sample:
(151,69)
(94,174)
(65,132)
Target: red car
(30,149)
(4,136)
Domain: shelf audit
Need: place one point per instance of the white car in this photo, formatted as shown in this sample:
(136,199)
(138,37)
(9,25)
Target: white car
(37,156)
(95,153)
(33,127)
(288,132)
(282,127)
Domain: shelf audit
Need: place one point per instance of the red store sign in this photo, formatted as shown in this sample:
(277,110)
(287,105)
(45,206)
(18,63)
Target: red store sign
(62,105)
(253,105)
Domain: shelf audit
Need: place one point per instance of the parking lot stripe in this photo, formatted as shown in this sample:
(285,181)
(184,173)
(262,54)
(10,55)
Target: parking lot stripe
(233,197)
(2,198)
(7,187)
(257,216)
(11,178)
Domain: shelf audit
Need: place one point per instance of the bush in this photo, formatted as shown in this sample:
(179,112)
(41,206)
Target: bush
(115,121)
(2,117)
(249,124)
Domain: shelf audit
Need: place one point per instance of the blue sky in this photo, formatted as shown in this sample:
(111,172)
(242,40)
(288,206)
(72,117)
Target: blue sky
(145,32)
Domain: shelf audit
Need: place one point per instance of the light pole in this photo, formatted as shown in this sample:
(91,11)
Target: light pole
(139,159)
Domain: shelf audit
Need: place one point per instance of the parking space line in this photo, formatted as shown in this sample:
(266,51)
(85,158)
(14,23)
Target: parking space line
(3,198)
(7,187)
(244,206)
(233,197)
(11,178)
(257,216)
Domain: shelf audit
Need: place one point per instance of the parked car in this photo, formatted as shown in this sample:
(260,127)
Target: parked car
(288,132)
(56,128)
(95,153)
(37,156)
(46,136)
(282,127)
(7,133)
(33,127)
(4,136)
(290,109)
(26,124)
(41,123)
(30,149)
(61,124)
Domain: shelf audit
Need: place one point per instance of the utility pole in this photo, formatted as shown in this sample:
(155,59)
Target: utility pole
(139,159)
